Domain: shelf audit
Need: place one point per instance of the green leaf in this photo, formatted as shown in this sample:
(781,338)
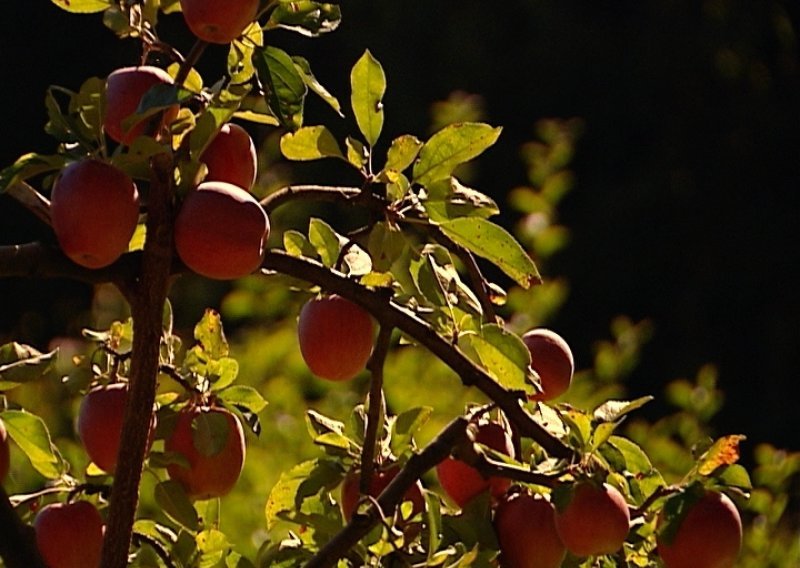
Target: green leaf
(243,396)
(296,244)
(736,475)
(305,17)
(208,333)
(636,460)
(83,6)
(449,199)
(310,143)
(298,483)
(316,87)
(368,84)
(357,153)
(580,426)
(406,424)
(613,410)
(213,546)
(319,424)
(325,240)
(28,166)
(222,372)
(31,435)
(450,147)
(496,245)
(22,363)
(286,90)
(173,501)
(402,153)
(503,355)
(210,431)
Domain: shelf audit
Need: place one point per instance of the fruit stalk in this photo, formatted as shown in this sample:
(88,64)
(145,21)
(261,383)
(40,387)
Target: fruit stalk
(146,297)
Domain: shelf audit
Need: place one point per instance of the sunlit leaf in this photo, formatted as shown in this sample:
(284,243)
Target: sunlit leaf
(613,410)
(402,152)
(83,6)
(243,396)
(323,238)
(724,451)
(368,84)
(31,435)
(208,332)
(495,244)
(504,356)
(305,17)
(310,143)
(448,199)
(286,90)
(22,363)
(452,146)
(313,83)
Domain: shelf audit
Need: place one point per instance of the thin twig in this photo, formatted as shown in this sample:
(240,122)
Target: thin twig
(32,200)
(377,408)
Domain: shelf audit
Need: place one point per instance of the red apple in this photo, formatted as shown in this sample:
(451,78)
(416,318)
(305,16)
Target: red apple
(462,482)
(708,536)
(220,231)
(94,209)
(595,521)
(125,88)
(218,22)
(5,458)
(335,337)
(379,481)
(69,535)
(231,157)
(214,448)
(100,423)
(552,359)
(526,532)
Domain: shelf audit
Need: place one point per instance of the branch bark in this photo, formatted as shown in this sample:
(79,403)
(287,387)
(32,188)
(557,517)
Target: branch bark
(147,299)
(394,315)
(377,408)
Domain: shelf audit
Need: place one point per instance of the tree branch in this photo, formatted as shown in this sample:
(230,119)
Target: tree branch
(361,523)
(147,299)
(394,315)
(32,200)
(377,407)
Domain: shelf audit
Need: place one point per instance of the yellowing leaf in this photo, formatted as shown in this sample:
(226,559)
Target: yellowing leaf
(725,451)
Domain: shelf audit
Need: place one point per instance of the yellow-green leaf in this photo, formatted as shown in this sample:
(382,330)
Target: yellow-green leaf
(368,84)
(310,143)
(450,147)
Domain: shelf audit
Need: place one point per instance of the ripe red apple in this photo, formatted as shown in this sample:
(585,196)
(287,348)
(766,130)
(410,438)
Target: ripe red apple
(220,231)
(94,209)
(125,88)
(595,521)
(526,532)
(462,482)
(214,449)
(709,536)
(335,337)
(100,423)
(231,157)
(218,22)
(379,481)
(5,458)
(69,535)
(552,359)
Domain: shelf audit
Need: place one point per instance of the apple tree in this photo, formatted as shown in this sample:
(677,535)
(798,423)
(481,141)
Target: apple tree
(523,460)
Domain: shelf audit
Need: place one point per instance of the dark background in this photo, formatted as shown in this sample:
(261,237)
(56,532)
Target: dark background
(686,204)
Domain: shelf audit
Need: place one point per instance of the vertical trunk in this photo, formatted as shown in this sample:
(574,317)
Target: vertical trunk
(147,296)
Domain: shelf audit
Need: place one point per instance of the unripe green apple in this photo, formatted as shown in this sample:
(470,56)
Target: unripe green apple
(708,536)
(5,458)
(220,231)
(595,521)
(231,157)
(378,482)
(335,337)
(462,482)
(125,88)
(552,359)
(218,22)
(526,532)
(211,440)
(94,209)
(69,535)
(100,423)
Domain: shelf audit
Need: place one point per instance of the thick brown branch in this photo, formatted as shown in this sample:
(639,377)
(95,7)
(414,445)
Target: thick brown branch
(321,193)
(39,260)
(147,304)
(438,449)
(394,315)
